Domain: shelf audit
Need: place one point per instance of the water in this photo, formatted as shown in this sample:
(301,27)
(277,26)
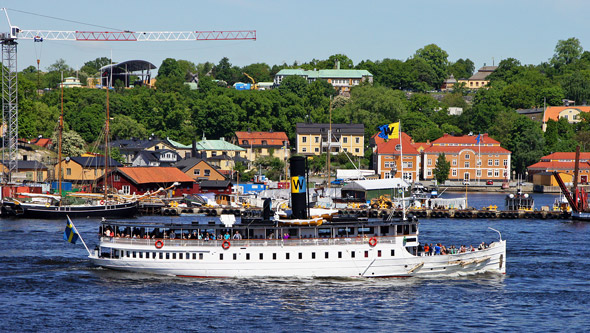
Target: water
(47,285)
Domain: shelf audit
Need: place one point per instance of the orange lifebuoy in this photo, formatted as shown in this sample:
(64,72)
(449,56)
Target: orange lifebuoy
(226,244)
(102,202)
(159,244)
(373,241)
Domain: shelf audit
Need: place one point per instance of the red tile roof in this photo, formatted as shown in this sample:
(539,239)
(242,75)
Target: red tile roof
(465,140)
(388,147)
(42,142)
(558,166)
(255,138)
(552,112)
(476,149)
(565,156)
(144,175)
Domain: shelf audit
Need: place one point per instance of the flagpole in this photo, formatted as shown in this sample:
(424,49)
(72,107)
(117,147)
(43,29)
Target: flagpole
(479,157)
(401,151)
(79,235)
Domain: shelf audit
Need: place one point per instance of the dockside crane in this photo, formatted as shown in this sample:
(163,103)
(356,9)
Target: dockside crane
(9,68)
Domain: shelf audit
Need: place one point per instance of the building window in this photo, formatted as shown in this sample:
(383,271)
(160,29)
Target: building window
(398,147)
(454,162)
(197,172)
(207,172)
(245,142)
(317,149)
(466,165)
(454,172)
(429,162)
(497,162)
(304,139)
(505,162)
(303,150)
(357,140)
(478,173)
(357,150)
(317,139)
(496,173)
(117,178)
(408,165)
(264,143)
(344,140)
(68,171)
(467,156)
(490,162)
(126,189)
(489,172)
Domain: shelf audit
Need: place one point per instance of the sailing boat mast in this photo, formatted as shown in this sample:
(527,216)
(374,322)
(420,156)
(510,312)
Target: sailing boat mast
(329,146)
(59,137)
(106,141)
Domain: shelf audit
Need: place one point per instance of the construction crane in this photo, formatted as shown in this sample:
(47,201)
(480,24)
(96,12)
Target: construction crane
(9,68)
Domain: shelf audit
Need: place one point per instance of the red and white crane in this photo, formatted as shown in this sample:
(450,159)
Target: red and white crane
(9,68)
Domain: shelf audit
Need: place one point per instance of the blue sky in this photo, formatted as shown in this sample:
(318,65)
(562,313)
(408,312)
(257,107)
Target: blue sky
(301,30)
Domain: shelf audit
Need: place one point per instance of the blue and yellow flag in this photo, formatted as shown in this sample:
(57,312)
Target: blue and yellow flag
(389,131)
(70,234)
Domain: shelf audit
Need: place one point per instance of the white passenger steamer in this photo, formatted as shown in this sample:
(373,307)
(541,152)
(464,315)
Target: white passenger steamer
(279,248)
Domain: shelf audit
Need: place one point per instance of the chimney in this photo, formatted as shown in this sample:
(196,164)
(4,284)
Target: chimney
(194,149)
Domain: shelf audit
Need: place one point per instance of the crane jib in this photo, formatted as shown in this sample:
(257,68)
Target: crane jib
(137,36)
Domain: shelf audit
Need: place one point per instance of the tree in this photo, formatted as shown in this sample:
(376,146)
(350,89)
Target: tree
(437,59)
(462,69)
(293,84)
(441,171)
(92,67)
(126,127)
(72,143)
(566,52)
(171,76)
(58,66)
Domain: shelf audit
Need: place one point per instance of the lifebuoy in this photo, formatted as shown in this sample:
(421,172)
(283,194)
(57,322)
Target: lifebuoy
(226,244)
(373,241)
(102,202)
(159,244)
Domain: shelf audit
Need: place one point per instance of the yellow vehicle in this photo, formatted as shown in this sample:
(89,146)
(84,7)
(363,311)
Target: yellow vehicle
(254,85)
(383,201)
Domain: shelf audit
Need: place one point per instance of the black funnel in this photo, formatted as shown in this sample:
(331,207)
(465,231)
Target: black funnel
(266,206)
(298,168)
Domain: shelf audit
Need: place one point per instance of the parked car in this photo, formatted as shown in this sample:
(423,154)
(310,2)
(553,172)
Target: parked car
(338,181)
(490,182)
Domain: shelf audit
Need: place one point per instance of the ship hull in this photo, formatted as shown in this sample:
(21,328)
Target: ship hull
(36,211)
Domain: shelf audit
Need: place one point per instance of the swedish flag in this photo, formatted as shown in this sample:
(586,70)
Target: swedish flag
(70,234)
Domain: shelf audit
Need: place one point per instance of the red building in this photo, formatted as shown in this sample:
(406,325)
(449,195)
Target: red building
(139,180)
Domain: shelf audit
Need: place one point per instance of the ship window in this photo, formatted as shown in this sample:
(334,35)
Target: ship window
(313,255)
(384,230)
(247,256)
(400,229)
(366,254)
(140,255)
(147,255)
(133,254)
(188,256)
(161,255)
(194,256)
(339,255)
(393,253)
(221,256)
(260,256)
(326,255)
(167,256)
(200,256)
(173,255)
(352,254)
(180,256)
(274,256)
(235,256)
(128,254)
(378,253)
(287,256)
(300,255)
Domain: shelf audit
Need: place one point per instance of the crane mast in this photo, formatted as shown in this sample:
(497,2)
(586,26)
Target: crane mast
(9,68)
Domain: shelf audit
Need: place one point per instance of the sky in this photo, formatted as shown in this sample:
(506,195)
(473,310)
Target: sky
(288,31)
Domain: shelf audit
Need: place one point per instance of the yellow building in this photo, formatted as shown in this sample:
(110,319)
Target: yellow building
(220,153)
(83,170)
(261,144)
(479,79)
(313,139)
(31,171)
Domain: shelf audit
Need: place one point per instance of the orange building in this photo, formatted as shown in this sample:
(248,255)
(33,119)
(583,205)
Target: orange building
(470,159)
(570,113)
(387,158)
(563,162)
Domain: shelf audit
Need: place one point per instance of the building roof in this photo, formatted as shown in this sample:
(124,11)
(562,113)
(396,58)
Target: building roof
(483,73)
(27,165)
(134,144)
(130,66)
(256,138)
(559,166)
(350,129)
(218,145)
(94,161)
(160,175)
(189,163)
(389,147)
(552,112)
(178,145)
(465,140)
(565,156)
(42,142)
(215,183)
(457,149)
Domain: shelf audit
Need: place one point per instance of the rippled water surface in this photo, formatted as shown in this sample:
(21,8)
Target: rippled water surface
(48,285)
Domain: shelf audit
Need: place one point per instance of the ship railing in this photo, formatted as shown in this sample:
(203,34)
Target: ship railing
(252,242)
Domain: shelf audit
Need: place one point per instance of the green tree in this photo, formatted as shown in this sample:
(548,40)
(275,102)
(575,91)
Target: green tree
(72,143)
(462,68)
(171,76)
(92,67)
(126,127)
(437,59)
(442,168)
(566,52)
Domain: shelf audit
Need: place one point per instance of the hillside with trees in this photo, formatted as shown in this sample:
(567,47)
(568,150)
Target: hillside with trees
(402,89)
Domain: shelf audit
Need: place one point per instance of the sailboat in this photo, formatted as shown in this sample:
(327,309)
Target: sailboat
(48,206)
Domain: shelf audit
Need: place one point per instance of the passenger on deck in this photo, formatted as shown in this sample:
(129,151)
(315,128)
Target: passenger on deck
(172,235)
(206,237)
(286,236)
(226,236)
(431,249)
(237,235)
(437,249)
(426,249)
